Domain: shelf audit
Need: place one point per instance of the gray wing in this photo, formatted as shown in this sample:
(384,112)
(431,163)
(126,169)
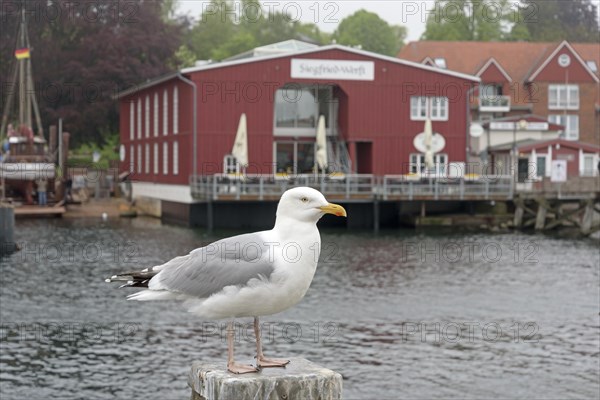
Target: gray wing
(207,270)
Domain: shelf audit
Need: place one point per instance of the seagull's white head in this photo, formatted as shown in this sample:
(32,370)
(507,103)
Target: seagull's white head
(306,204)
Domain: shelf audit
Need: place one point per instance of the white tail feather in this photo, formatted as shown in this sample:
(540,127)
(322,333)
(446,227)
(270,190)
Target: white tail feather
(148,295)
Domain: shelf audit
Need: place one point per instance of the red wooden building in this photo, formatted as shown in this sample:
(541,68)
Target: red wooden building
(374,107)
(559,81)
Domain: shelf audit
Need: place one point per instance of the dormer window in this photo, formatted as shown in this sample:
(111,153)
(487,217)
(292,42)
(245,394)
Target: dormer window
(591,64)
(440,62)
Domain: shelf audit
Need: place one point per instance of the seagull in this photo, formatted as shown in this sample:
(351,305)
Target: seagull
(249,275)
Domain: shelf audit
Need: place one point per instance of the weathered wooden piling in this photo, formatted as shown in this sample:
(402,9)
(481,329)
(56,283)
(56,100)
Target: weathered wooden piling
(300,379)
(7,229)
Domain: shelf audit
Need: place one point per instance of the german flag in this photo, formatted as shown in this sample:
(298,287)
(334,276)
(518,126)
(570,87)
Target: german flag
(22,53)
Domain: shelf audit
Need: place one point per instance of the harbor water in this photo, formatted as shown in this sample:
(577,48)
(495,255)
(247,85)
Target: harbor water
(401,315)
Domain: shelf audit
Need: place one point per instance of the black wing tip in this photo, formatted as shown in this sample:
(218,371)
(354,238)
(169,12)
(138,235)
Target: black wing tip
(133,279)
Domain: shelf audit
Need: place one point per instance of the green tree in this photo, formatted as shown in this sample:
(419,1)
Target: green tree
(477,20)
(556,20)
(224,30)
(368,30)
(83,57)
(214,27)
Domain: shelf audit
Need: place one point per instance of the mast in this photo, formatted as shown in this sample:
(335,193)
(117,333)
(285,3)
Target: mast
(23,78)
(21,62)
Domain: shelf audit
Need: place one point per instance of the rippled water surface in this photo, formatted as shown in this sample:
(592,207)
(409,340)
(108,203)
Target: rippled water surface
(399,315)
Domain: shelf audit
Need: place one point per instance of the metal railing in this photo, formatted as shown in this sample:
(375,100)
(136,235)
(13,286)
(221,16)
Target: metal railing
(349,187)
(261,187)
(574,187)
(494,103)
(398,187)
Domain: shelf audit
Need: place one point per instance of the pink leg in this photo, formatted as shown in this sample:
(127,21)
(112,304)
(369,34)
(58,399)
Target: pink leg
(261,360)
(232,366)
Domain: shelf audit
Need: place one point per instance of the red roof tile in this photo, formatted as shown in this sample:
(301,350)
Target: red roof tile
(519,59)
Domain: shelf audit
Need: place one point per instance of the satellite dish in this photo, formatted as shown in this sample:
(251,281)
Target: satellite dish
(476,130)
(437,142)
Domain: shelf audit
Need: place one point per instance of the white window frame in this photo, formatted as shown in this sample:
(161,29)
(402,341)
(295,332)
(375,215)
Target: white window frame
(147,117)
(131,121)
(165,158)
(295,144)
(155,114)
(139,159)
(132,159)
(165,112)
(156,160)
(537,165)
(417,160)
(139,118)
(147,158)
(434,107)
(569,121)
(175,110)
(230,164)
(418,108)
(563,97)
(322,96)
(594,170)
(175,158)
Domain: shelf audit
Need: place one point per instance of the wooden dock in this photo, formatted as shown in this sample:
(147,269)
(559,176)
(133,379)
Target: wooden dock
(39,211)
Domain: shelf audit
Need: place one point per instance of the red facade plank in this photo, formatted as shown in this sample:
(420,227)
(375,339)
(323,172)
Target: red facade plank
(375,111)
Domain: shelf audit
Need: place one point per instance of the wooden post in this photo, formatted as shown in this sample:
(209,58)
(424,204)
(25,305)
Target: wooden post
(587,218)
(7,230)
(375,216)
(519,211)
(300,379)
(540,219)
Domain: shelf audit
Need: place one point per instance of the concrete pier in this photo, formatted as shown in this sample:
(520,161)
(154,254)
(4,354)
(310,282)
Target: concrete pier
(7,230)
(299,380)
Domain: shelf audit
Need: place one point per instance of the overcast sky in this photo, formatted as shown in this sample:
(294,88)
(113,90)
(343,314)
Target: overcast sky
(327,14)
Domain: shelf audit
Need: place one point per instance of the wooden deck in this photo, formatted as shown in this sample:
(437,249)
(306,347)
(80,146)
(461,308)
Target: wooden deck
(38,211)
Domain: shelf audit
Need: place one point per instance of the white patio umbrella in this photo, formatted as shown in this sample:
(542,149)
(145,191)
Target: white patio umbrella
(240,145)
(428,130)
(321,144)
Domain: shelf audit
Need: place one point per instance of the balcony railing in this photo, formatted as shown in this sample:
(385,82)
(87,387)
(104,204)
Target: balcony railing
(351,187)
(494,103)
(396,187)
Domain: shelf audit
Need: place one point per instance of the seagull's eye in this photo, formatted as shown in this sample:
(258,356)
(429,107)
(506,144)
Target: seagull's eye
(304,199)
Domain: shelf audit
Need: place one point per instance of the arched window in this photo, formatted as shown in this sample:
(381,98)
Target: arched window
(175,110)
(155,114)
(165,158)
(156,161)
(147,117)
(139,119)
(131,120)
(165,113)
(175,158)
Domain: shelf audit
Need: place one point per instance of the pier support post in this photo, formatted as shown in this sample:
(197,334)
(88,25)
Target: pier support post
(519,211)
(300,379)
(7,230)
(210,224)
(540,219)
(587,218)
(375,216)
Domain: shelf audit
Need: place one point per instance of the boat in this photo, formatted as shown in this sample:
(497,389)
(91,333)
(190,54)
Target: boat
(25,159)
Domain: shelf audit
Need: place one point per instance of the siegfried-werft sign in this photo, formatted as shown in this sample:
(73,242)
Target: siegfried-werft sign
(333,69)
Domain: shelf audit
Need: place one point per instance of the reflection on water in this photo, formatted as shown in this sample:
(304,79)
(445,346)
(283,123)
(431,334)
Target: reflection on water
(400,315)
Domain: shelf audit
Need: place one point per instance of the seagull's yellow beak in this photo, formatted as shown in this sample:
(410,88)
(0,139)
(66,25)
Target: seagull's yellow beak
(334,209)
